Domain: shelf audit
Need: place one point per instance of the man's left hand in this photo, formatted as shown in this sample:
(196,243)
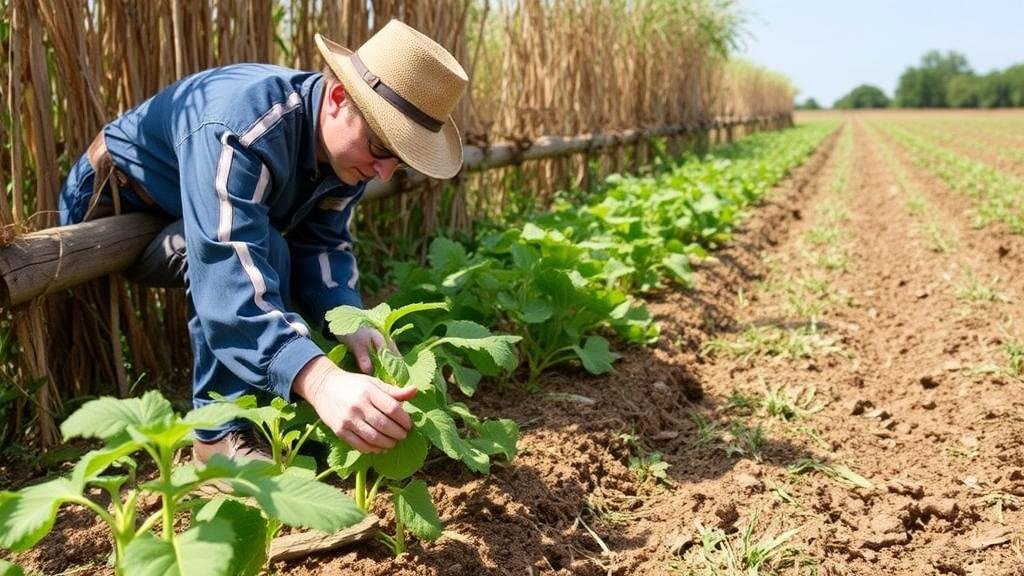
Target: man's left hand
(359,343)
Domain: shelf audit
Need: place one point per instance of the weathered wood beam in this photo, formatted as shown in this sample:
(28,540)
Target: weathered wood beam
(54,259)
(477,159)
(301,544)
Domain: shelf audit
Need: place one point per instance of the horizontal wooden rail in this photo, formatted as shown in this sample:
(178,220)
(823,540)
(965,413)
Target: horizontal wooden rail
(54,259)
(478,159)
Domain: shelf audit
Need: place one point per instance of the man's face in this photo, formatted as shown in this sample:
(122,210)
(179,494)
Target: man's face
(347,142)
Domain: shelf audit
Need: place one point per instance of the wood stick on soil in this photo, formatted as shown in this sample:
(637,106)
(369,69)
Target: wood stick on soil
(305,543)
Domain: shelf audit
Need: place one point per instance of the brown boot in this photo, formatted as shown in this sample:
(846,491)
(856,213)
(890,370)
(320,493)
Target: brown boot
(244,444)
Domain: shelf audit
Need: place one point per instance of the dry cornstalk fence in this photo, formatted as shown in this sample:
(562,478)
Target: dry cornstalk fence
(599,68)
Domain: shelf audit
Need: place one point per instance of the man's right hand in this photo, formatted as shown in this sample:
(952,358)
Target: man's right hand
(363,411)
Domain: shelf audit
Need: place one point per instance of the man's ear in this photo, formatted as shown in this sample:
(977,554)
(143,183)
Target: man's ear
(336,96)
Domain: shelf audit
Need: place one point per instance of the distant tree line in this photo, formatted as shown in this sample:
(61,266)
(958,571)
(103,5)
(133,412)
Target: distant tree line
(942,81)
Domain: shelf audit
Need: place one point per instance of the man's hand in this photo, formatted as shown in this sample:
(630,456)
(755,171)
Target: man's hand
(359,343)
(363,411)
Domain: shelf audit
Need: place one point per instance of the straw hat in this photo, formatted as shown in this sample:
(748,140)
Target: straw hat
(406,85)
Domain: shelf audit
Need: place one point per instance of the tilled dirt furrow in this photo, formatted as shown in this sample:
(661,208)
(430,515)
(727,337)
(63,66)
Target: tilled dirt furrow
(908,406)
(994,243)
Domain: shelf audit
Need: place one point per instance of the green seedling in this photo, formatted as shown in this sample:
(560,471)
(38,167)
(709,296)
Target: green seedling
(837,472)
(743,440)
(441,345)
(706,429)
(227,535)
(814,435)
(646,465)
(779,403)
(1014,352)
(607,511)
(824,235)
(962,452)
(999,501)
(917,205)
(803,342)
(972,289)
(741,553)
(938,238)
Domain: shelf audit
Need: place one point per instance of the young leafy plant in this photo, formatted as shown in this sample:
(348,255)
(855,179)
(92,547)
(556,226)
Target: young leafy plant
(225,537)
(441,346)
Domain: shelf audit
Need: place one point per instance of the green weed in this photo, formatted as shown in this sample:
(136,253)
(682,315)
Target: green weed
(743,440)
(837,472)
(973,289)
(937,238)
(802,342)
(742,554)
(917,205)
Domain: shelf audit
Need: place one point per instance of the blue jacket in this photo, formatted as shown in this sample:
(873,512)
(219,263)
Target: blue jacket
(232,151)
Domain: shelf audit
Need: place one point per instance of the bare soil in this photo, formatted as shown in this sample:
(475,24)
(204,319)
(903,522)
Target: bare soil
(908,397)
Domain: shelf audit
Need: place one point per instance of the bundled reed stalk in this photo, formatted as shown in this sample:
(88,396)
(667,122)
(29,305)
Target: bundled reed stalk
(537,67)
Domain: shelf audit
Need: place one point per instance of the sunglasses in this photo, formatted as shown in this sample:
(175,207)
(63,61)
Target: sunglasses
(381,152)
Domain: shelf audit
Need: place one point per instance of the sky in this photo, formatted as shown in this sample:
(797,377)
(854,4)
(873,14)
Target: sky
(828,47)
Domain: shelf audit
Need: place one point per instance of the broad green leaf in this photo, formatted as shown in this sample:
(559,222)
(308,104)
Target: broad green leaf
(397,315)
(476,460)
(112,484)
(344,320)
(185,475)
(469,335)
(391,368)
(421,368)
(305,464)
(205,549)
(337,354)
(595,355)
(415,508)
(341,457)
(8,569)
(106,417)
(483,362)
(97,461)
(498,437)
(556,285)
(378,316)
(463,412)
(346,460)
(424,401)
(404,459)
(438,426)
(303,415)
(299,501)
(263,415)
(445,254)
(213,415)
(615,269)
(679,266)
(246,401)
(523,256)
(250,528)
(531,232)
(536,312)
(455,280)
(28,515)
(168,433)
(467,379)
(465,329)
